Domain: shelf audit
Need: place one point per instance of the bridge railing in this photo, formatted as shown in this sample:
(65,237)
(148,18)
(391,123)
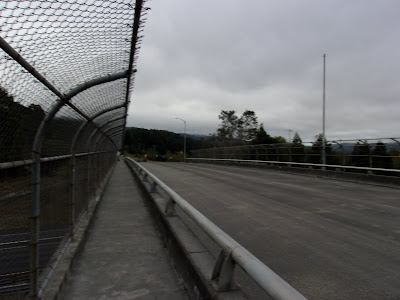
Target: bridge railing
(294,164)
(356,155)
(231,253)
(66,76)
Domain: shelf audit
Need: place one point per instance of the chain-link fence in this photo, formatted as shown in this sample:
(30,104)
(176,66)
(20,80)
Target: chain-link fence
(379,153)
(66,74)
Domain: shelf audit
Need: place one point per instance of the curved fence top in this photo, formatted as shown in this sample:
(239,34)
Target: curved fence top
(52,49)
(66,73)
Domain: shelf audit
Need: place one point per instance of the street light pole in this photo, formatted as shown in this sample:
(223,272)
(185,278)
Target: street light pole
(289,146)
(290,130)
(323,118)
(184,138)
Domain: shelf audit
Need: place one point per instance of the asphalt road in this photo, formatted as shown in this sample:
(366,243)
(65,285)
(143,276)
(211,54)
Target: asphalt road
(15,258)
(329,239)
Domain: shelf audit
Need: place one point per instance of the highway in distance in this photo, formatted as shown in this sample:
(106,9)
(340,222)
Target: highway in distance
(329,239)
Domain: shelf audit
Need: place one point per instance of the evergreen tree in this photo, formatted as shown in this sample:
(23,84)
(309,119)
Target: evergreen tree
(361,154)
(297,149)
(316,150)
(262,137)
(380,157)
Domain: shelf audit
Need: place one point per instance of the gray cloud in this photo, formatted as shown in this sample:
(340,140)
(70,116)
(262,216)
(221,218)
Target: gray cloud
(199,57)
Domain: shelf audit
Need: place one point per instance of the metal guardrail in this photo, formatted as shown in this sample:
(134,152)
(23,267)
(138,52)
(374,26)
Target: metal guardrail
(232,252)
(288,163)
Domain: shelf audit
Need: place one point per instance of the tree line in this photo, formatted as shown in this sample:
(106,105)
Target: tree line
(161,145)
(244,130)
(18,125)
(235,130)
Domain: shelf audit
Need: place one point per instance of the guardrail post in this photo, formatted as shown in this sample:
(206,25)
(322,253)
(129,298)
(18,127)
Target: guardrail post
(153,188)
(223,272)
(170,208)
(370,157)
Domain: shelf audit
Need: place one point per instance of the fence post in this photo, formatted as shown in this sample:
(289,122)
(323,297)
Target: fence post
(35,226)
(370,157)
(89,159)
(72,193)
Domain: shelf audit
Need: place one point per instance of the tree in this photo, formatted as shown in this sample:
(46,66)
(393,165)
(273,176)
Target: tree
(157,143)
(228,130)
(18,127)
(316,150)
(244,130)
(235,130)
(279,140)
(247,126)
(262,137)
(297,148)
(380,156)
(395,155)
(297,139)
(361,154)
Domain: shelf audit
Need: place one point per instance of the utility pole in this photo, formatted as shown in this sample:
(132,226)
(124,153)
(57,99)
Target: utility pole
(289,146)
(184,139)
(290,130)
(323,118)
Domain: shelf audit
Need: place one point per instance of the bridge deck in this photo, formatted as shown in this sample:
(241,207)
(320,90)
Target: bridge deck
(329,239)
(123,257)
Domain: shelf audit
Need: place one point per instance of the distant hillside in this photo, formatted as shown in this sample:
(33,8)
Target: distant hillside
(196,137)
(140,141)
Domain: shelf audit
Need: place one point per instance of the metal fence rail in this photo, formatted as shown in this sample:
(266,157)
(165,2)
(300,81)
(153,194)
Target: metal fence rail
(393,172)
(378,154)
(231,254)
(66,76)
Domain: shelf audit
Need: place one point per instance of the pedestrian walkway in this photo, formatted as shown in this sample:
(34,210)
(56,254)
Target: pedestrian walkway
(123,257)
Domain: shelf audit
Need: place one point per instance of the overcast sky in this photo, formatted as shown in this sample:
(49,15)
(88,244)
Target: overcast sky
(201,57)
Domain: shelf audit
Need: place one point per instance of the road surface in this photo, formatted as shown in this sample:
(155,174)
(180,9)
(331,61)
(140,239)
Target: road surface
(15,258)
(329,239)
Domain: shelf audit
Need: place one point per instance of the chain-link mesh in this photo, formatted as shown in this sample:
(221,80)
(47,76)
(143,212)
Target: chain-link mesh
(58,155)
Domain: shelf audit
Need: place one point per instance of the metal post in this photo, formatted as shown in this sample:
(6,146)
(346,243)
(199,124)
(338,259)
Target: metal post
(134,39)
(184,138)
(257,154)
(73,148)
(323,118)
(223,271)
(290,130)
(88,181)
(73,194)
(35,226)
(370,157)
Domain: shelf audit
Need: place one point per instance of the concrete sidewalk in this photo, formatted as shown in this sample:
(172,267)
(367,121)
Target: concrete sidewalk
(123,257)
